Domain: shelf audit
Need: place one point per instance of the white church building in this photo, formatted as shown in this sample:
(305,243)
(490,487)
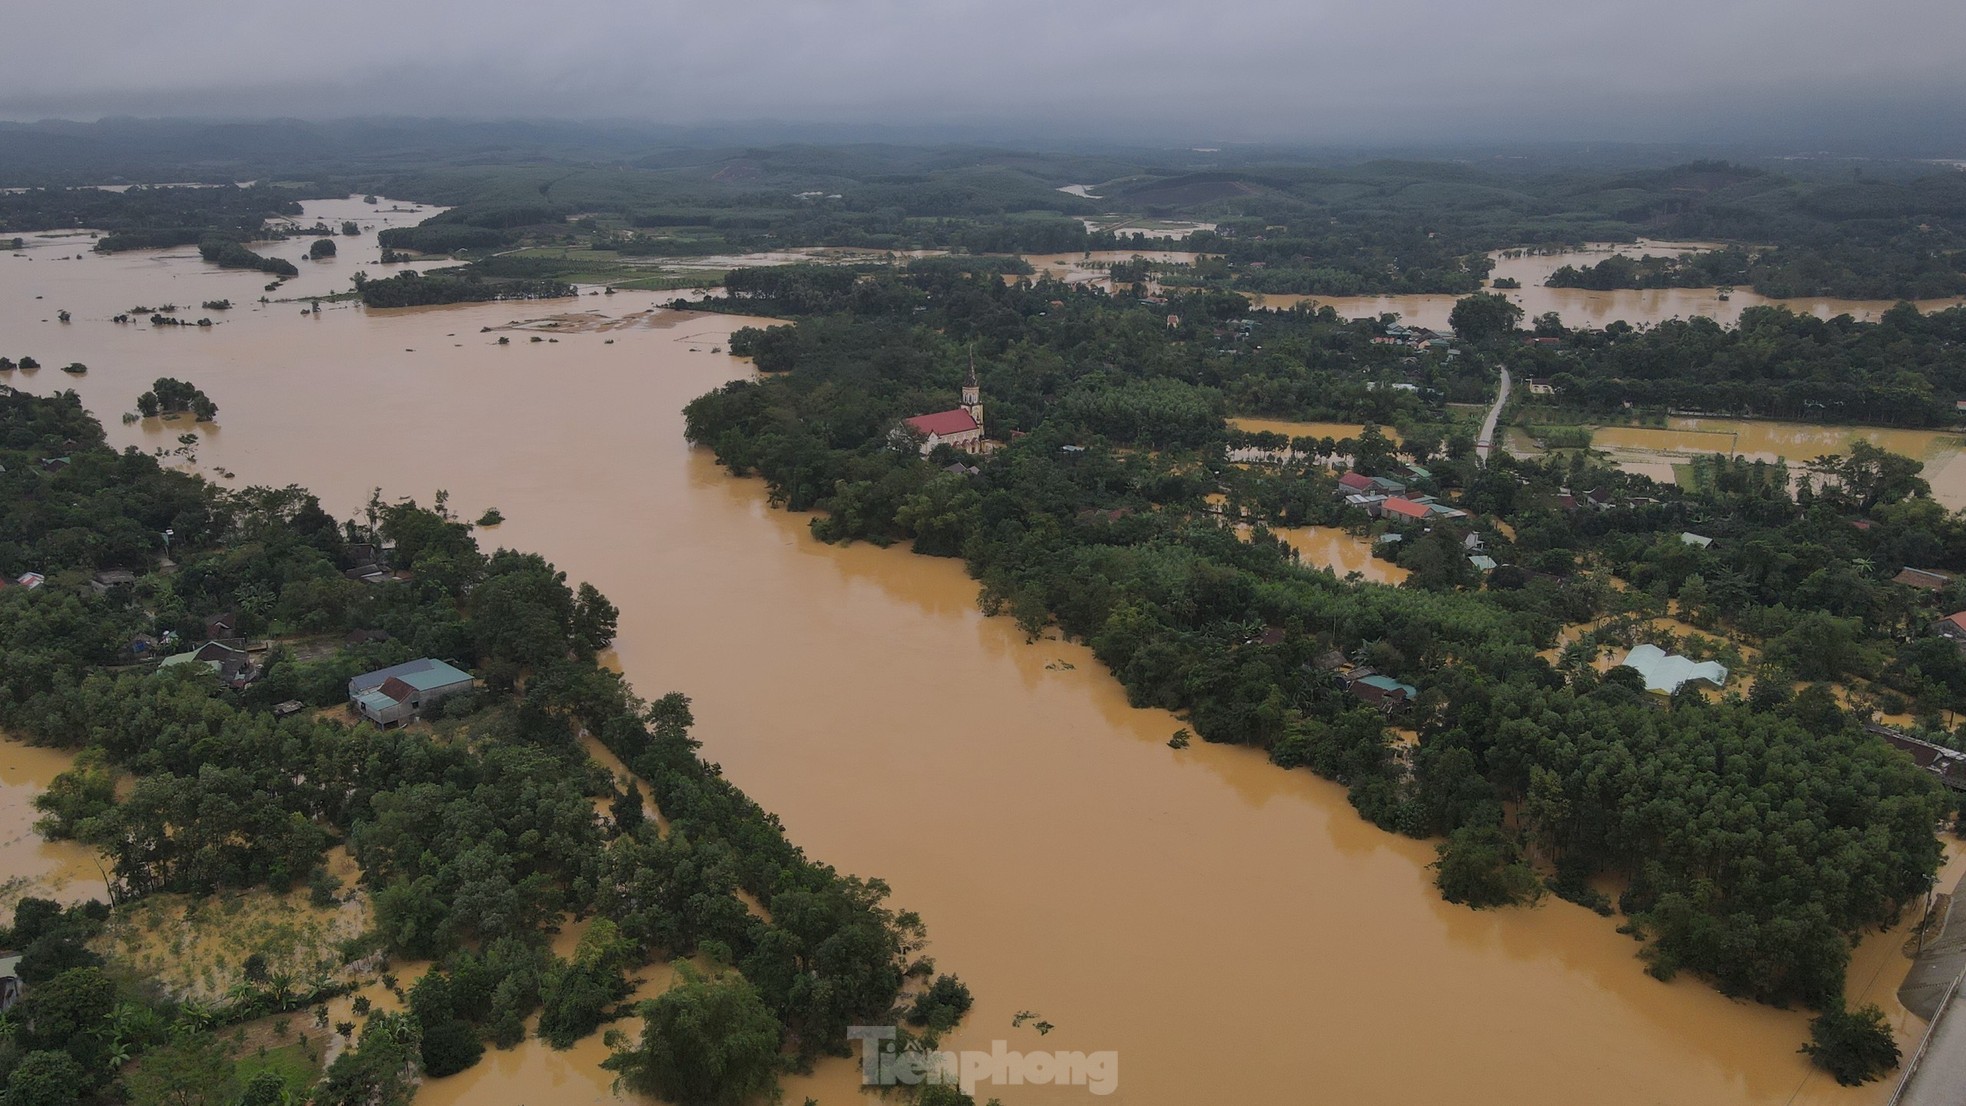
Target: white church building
(961,427)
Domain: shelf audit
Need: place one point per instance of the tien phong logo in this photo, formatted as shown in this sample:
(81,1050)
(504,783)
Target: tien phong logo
(885,1063)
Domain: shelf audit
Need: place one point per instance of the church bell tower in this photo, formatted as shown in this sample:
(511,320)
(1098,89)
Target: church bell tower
(973,394)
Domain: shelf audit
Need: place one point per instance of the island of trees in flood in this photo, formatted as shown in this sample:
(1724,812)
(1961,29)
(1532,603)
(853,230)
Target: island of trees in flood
(474,833)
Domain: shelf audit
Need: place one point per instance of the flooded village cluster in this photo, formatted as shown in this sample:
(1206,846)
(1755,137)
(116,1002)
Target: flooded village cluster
(1133,664)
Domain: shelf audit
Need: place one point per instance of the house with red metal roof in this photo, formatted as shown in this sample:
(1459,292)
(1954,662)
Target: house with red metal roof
(1952,626)
(1408,509)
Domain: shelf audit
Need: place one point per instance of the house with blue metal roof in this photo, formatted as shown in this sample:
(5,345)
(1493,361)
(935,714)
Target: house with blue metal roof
(400,692)
(1379,690)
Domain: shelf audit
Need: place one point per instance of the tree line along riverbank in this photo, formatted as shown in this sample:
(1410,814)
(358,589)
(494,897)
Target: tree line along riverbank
(1750,835)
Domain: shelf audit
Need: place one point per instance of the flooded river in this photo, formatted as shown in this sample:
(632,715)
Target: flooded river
(1580,307)
(1232,930)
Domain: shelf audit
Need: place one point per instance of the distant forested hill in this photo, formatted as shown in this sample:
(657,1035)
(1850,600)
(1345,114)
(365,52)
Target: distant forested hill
(1320,222)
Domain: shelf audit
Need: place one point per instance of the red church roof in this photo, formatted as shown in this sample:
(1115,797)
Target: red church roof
(945,423)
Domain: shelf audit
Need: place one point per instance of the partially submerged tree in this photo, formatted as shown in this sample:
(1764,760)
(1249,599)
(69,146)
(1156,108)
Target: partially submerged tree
(707,1041)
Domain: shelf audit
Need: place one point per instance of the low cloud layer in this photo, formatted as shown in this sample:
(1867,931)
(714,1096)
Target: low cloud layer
(1323,70)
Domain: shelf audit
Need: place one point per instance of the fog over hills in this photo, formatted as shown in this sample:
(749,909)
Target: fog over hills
(1803,73)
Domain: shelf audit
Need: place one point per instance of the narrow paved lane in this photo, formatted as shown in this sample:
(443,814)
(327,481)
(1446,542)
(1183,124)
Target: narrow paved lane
(1936,1074)
(1487,440)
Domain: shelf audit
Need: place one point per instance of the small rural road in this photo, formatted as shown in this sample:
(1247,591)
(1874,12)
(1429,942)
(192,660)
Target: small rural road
(1487,440)
(1937,1070)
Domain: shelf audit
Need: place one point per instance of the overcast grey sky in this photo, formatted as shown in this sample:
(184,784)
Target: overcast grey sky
(1233,69)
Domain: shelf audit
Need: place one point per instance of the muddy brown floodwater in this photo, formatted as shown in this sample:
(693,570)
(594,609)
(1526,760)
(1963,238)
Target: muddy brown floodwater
(1653,450)
(1342,553)
(1580,307)
(1234,931)
(61,870)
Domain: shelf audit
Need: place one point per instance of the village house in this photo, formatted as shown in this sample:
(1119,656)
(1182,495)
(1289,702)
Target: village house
(1949,765)
(1922,578)
(108,578)
(1419,509)
(1437,509)
(1331,660)
(1370,504)
(1952,626)
(400,692)
(369,563)
(1380,691)
(1697,541)
(961,427)
(1668,672)
(1357,483)
(235,667)
(1541,386)
(1405,510)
